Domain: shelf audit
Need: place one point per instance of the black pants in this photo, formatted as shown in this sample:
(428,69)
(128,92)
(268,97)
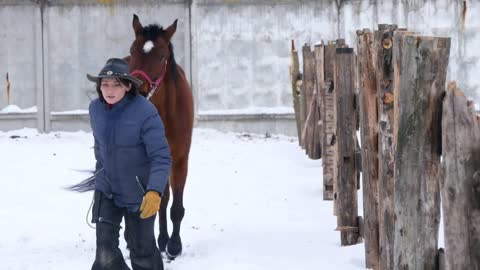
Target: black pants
(139,235)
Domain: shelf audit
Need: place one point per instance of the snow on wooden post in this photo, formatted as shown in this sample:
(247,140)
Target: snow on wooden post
(369,151)
(461,186)
(383,64)
(329,120)
(307,90)
(347,212)
(420,72)
(295,77)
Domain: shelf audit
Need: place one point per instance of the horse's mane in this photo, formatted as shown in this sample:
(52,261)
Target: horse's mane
(154,31)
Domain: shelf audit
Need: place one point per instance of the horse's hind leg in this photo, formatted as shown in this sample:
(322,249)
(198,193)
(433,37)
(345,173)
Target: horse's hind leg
(163,236)
(179,175)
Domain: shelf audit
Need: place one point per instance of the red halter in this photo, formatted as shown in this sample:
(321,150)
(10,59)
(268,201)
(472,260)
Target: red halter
(153,84)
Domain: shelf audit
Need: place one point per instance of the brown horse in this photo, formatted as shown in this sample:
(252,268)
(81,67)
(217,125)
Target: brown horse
(152,60)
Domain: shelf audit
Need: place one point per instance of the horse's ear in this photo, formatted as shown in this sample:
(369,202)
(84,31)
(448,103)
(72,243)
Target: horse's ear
(137,26)
(171,30)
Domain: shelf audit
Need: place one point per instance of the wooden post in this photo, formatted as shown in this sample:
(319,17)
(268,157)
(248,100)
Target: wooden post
(320,82)
(303,109)
(420,73)
(347,215)
(369,151)
(441,259)
(329,120)
(310,129)
(382,55)
(461,187)
(308,87)
(294,77)
(317,144)
(340,43)
(8,90)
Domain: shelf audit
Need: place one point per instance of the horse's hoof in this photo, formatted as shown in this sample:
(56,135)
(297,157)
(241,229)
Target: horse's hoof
(174,248)
(162,243)
(171,257)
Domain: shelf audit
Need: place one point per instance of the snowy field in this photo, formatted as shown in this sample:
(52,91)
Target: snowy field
(251,203)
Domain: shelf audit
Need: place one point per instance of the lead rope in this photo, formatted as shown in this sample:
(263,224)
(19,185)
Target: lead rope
(152,91)
(91,204)
(88,212)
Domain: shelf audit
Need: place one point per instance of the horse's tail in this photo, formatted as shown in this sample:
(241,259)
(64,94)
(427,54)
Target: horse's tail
(85,185)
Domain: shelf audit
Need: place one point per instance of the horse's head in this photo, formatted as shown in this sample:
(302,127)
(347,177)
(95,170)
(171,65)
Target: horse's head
(150,54)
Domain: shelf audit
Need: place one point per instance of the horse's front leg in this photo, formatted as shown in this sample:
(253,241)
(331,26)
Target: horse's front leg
(163,236)
(179,176)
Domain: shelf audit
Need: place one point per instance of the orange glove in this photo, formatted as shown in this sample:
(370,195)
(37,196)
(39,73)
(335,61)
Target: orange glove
(150,204)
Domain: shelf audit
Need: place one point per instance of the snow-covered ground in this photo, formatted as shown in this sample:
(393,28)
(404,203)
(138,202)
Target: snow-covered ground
(251,203)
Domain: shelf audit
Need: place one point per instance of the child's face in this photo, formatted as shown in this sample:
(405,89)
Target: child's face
(112,90)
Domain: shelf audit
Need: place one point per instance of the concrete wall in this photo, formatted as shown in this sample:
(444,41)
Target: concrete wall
(21,58)
(242,52)
(48,51)
(79,38)
(236,52)
(438,18)
(241,48)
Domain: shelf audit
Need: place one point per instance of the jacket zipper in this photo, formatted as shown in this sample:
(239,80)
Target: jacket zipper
(140,185)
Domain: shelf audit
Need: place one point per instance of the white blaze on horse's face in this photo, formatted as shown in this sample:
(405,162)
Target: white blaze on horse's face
(148,46)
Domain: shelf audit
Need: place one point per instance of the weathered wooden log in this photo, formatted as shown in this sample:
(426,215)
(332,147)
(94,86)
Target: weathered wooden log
(317,153)
(8,89)
(441,259)
(308,88)
(316,146)
(309,130)
(369,151)
(303,109)
(461,182)
(339,43)
(294,77)
(347,211)
(329,140)
(361,227)
(319,83)
(329,120)
(382,55)
(420,73)
(357,159)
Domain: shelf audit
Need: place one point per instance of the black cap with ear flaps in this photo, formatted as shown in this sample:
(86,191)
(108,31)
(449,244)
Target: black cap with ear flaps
(116,68)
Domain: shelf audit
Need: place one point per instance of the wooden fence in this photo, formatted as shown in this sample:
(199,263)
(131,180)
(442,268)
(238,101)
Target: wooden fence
(420,147)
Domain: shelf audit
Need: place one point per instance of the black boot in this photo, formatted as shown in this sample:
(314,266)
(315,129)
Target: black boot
(108,218)
(140,237)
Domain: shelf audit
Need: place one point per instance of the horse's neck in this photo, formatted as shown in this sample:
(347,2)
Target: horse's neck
(165,98)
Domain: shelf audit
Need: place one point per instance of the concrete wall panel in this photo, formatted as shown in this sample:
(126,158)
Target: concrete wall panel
(236,52)
(80,38)
(18,54)
(242,51)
